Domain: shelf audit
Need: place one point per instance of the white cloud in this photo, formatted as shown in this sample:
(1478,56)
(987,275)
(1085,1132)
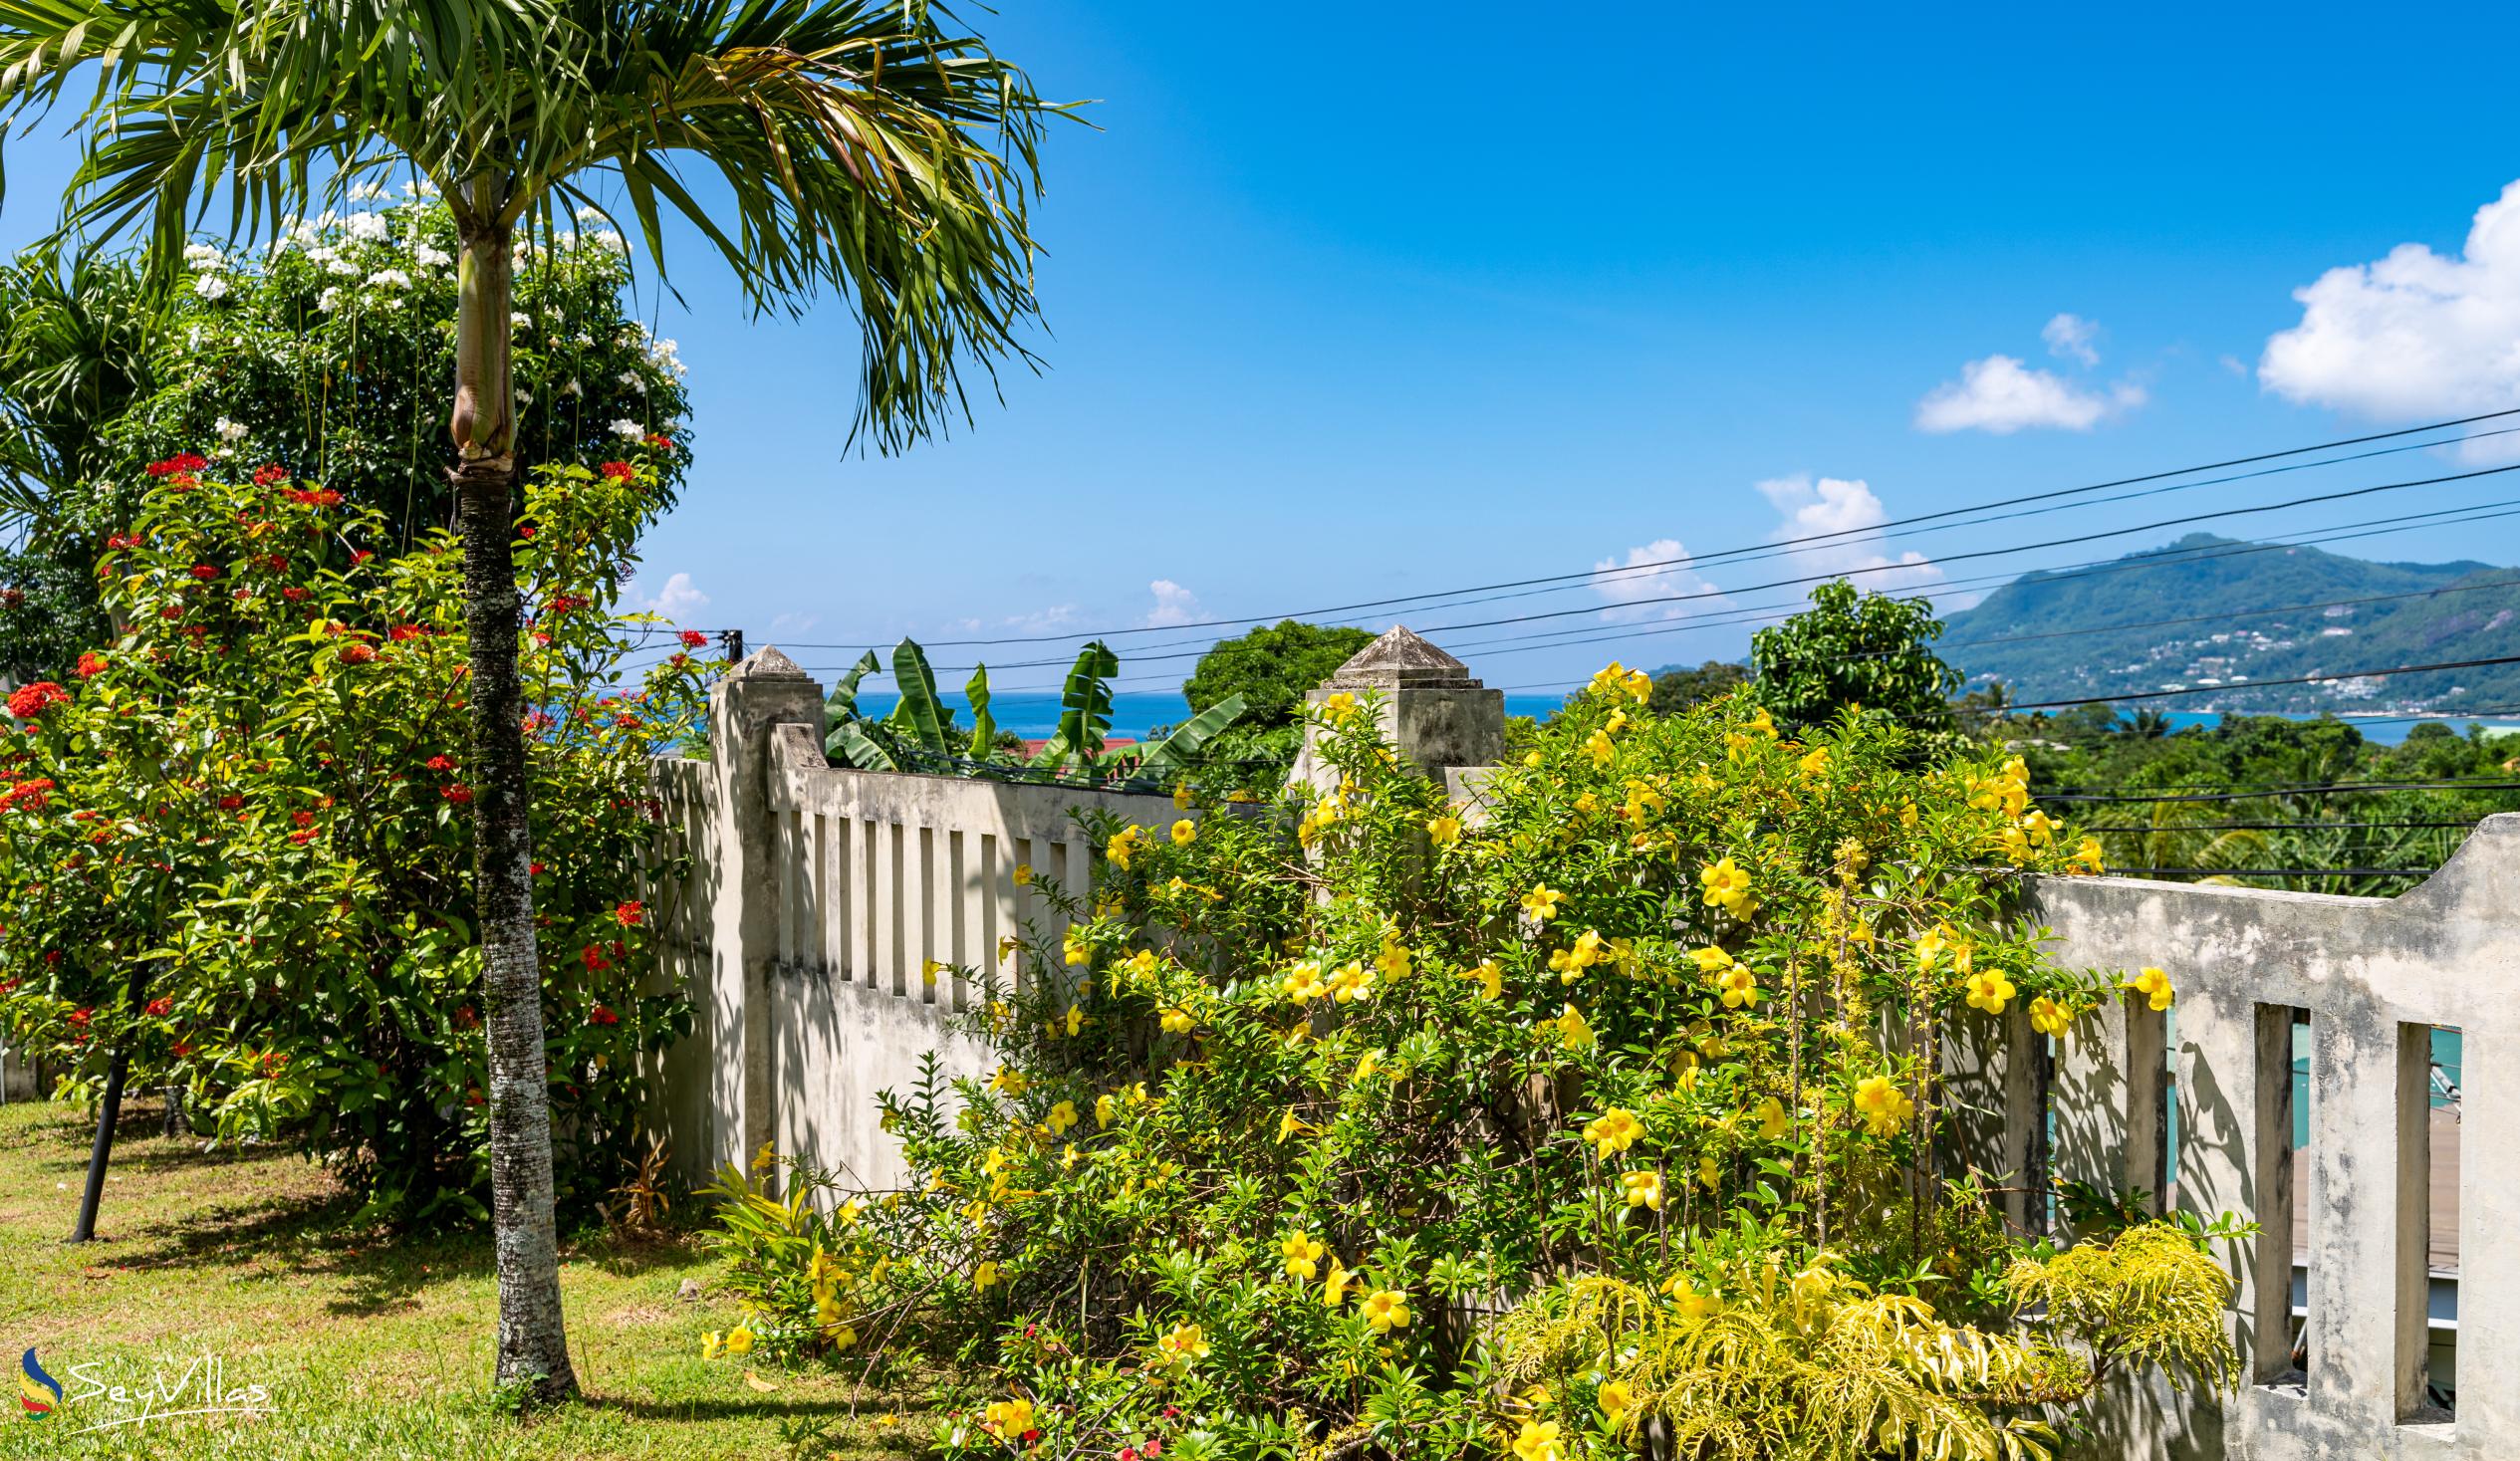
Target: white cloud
(2073,337)
(2000,395)
(1174,605)
(1043,620)
(2412,335)
(1657,570)
(678,598)
(1852,512)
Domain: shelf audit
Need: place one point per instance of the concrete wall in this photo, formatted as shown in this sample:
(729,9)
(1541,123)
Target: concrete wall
(2374,976)
(821,902)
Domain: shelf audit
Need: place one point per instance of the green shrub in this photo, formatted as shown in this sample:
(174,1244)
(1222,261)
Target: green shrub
(1358,1125)
(236,844)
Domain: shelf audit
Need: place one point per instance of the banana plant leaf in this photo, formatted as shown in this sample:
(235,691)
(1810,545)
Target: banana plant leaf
(983,729)
(1084,716)
(1175,750)
(849,740)
(918,715)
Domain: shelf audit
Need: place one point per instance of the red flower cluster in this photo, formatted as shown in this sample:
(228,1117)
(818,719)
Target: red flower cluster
(314,496)
(124,540)
(161,1005)
(12,599)
(592,957)
(32,794)
(660,441)
(631,914)
(204,572)
(277,564)
(626,722)
(29,701)
(564,603)
(618,472)
(603,1015)
(183,463)
(400,633)
(358,654)
(268,473)
(90,665)
(300,839)
(693,639)
(459,794)
(440,762)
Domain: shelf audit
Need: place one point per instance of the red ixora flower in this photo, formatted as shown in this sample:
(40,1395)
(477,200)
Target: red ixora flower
(526,532)
(564,603)
(620,471)
(161,1005)
(205,571)
(592,957)
(79,1018)
(300,839)
(459,794)
(182,463)
(90,665)
(314,497)
(179,1049)
(626,722)
(32,794)
(693,639)
(400,633)
(302,819)
(12,599)
(362,556)
(660,441)
(294,593)
(31,700)
(533,870)
(440,762)
(268,473)
(631,914)
(358,654)
(603,1015)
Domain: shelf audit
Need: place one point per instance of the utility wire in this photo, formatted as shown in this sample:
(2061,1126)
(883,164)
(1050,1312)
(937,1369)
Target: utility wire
(1763,548)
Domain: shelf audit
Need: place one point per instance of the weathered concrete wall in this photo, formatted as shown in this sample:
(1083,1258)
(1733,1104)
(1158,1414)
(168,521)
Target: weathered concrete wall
(2374,976)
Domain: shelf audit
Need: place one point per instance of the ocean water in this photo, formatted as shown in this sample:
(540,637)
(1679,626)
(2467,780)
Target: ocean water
(1035,716)
(2382,730)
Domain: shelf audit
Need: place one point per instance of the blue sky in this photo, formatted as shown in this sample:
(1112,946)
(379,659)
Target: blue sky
(1405,297)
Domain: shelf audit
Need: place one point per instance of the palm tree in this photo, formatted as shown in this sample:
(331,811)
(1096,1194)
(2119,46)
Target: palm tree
(869,146)
(78,347)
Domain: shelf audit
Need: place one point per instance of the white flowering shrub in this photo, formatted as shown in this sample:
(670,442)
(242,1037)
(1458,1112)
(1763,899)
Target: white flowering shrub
(330,353)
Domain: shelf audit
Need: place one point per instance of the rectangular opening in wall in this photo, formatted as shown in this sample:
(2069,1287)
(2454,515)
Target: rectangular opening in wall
(2428,1216)
(2279,1321)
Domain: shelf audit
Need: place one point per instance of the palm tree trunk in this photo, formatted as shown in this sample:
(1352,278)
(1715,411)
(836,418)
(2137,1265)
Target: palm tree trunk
(533,1339)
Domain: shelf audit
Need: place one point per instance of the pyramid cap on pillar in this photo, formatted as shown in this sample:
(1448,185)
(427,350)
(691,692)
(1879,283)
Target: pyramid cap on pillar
(1402,660)
(767,663)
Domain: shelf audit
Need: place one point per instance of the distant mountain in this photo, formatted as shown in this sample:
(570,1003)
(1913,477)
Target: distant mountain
(2199,613)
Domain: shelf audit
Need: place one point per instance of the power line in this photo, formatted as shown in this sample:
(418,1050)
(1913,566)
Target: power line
(2305,679)
(1762,549)
(2304,789)
(2276,871)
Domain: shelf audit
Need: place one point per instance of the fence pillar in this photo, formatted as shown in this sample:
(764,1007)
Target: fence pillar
(1432,710)
(765,691)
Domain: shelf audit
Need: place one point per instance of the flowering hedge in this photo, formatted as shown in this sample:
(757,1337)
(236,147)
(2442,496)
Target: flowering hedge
(1364,1127)
(235,841)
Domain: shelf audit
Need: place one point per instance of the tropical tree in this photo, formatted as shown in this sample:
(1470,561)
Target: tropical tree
(880,152)
(78,341)
(1853,649)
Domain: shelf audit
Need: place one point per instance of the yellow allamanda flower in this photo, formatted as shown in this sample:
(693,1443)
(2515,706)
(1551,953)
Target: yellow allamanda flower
(2048,1017)
(1186,1344)
(1815,763)
(1597,746)
(1009,1419)
(1738,987)
(1881,1105)
(1303,1253)
(1692,1303)
(1386,1309)
(1076,1018)
(1078,951)
(1490,976)
(1061,1117)
(1391,959)
(1333,1288)
(1763,723)
(1571,1029)
(1710,959)
(1929,946)
(1185,833)
(1615,678)
(1538,1441)
(739,1341)
(1103,1105)
(1990,991)
(1140,966)
(1303,981)
(1443,829)
(1339,708)
(1182,796)
(1613,1130)
(1372,1062)
(1710,1177)
(1023,874)
(1642,1189)
(1122,848)
(1542,902)
(1615,1399)
(2087,856)
(1178,1020)
(1009,1081)
(1773,1126)
(2155,984)
(1290,1125)
(1725,885)
(1353,981)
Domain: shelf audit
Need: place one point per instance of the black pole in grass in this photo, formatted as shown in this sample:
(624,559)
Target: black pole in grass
(109,1111)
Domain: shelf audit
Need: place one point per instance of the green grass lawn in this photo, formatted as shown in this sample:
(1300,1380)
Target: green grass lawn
(368,1346)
